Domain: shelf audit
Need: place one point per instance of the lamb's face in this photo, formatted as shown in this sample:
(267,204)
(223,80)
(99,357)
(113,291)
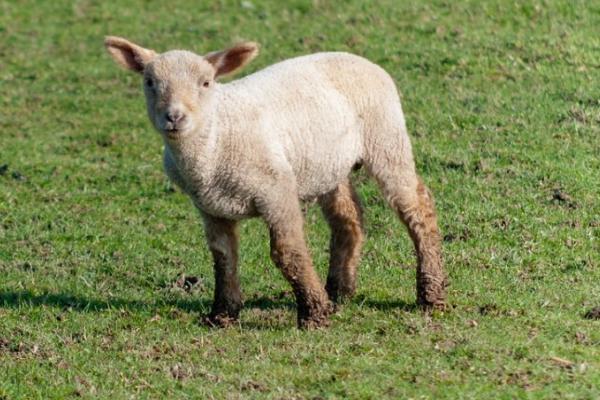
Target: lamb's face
(178,86)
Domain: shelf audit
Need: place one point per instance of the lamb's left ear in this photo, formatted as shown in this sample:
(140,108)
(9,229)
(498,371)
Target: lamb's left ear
(230,60)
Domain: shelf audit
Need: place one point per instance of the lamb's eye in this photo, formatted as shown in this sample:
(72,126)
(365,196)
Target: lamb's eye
(149,82)
(206,84)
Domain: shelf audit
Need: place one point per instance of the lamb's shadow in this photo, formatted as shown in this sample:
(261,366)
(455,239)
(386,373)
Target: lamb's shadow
(388,305)
(18,299)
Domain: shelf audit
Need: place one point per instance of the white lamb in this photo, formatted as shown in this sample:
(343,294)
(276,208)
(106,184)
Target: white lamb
(290,132)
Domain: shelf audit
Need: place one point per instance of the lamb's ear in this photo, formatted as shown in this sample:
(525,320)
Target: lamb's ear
(233,59)
(127,54)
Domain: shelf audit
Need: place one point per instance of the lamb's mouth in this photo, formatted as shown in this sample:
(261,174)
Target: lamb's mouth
(172,133)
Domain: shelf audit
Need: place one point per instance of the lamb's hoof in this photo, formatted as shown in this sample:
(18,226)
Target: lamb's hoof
(219,320)
(318,317)
(431,307)
(432,297)
(314,322)
(432,303)
(224,313)
(339,295)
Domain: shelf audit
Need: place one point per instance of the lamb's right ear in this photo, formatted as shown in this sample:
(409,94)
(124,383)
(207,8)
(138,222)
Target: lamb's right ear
(127,54)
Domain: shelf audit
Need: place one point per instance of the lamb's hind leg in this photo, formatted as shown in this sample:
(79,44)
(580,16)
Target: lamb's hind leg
(343,213)
(222,238)
(410,198)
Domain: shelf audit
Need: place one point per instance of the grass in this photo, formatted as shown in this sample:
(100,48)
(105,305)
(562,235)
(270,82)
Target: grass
(502,102)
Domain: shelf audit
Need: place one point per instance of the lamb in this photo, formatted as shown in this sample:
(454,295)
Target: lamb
(259,145)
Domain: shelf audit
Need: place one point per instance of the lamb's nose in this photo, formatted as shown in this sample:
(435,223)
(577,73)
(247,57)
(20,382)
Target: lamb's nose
(175,116)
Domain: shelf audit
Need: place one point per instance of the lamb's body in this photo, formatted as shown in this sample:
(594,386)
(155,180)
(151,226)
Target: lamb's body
(293,131)
(310,118)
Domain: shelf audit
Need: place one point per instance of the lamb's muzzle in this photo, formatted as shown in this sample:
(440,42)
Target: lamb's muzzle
(293,131)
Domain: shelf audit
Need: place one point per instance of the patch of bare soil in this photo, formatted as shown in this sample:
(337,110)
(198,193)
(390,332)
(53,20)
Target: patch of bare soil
(188,283)
(594,313)
(560,197)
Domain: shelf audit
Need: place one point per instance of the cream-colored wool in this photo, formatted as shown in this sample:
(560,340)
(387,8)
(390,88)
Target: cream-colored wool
(294,130)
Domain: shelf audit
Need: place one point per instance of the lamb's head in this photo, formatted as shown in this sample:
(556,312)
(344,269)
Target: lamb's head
(179,85)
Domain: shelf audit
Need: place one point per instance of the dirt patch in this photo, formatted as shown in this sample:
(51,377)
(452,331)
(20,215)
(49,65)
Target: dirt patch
(502,224)
(20,349)
(17,176)
(481,166)
(594,313)
(489,309)
(463,235)
(4,345)
(188,283)
(560,197)
(581,338)
(446,345)
(579,115)
(521,379)
(218,321)
(254,386)
(83,387)
(179,372)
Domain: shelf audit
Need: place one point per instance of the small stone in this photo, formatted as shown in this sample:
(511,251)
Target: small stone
(248,5)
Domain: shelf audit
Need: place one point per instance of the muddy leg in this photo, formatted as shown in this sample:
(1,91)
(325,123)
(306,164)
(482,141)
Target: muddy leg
(222,237)
(414,204)
(342,210)
(290,254)
(388,158)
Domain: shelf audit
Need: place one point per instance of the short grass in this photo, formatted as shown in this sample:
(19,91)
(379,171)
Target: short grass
(502,100)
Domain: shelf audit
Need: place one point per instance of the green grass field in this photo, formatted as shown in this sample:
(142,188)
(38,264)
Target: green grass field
(502,100)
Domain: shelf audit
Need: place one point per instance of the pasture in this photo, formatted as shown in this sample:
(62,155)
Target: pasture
(105,275)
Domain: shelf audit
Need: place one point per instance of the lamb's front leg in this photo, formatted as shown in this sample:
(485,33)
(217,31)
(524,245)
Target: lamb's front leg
(222,237)
(290,254)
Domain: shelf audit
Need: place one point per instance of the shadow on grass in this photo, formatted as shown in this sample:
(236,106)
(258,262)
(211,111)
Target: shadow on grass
(388,305)
(16,299)
(276,317)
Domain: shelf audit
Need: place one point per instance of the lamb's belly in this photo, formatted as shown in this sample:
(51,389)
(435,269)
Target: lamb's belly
(317,178)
